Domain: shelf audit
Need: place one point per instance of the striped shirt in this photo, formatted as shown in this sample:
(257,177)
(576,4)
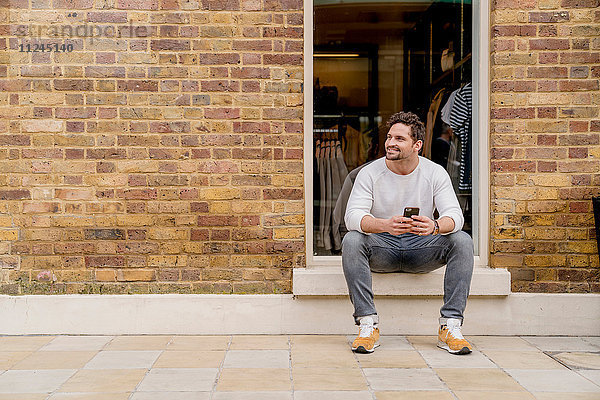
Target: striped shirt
(460,121)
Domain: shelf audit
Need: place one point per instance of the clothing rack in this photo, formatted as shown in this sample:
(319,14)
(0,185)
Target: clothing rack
(323,133)
(451,70)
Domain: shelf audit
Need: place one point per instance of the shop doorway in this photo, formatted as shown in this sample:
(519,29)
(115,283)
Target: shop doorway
(370,60)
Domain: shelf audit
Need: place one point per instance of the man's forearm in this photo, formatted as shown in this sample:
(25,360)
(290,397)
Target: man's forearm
(370,224)
(446,224)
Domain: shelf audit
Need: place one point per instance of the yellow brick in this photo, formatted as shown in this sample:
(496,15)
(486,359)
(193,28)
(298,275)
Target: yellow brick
(548,4)
(105,221)
(49,99)
(172,113)
(288,233)
(135,220)
(288,180)
(76,57)
(193,248)
(135,275)
(505,16)
(546,206)
(9,234)
(508,233)
(74,275)
(548,98)
(251,261)
(558,180)
(244,207)
(250,113)
(167,261)
(578,260)
(73,167)
(584,16)
(47,262)
(171,247)
(515,58)
(6,221)
(168,234)
(110,180)
(499,220)
(72,221)
(545,233)
(219,207)
(546,274)
(137,58)
(198,261)
(220,194)
(577,233)
(503,99)
(280,220)
(587,247)
(105,275)
(547,126)
(554,260)
(506,260)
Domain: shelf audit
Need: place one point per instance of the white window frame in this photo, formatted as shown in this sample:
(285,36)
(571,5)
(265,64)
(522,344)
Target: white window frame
(481,107)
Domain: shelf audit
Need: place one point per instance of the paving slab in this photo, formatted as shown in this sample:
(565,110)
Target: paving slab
(123,360)
(403,379)
(257,359)
(179,379)
(34,381)
(540,380)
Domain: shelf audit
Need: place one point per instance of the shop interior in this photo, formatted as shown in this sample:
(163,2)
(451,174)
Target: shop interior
(372,59)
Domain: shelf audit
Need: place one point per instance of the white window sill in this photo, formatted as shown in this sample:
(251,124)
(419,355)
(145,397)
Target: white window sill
(329,281)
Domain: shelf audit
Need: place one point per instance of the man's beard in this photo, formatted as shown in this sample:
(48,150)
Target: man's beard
(397,155)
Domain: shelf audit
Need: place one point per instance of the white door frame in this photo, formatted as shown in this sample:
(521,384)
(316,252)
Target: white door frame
(481,107)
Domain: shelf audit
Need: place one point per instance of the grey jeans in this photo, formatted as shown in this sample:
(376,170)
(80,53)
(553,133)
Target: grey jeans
(382,252)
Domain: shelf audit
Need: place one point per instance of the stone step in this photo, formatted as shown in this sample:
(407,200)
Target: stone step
(329,281)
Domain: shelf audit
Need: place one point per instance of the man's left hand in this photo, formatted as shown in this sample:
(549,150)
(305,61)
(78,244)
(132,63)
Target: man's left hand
(422,225)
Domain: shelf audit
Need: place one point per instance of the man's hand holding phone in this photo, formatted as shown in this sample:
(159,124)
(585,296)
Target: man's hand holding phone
(411,222)
(398,225)
(422,225)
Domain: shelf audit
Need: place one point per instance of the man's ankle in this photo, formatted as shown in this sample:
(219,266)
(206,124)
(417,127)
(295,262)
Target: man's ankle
(372,319)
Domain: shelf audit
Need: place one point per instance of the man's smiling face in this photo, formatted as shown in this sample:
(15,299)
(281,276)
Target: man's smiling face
(399,145)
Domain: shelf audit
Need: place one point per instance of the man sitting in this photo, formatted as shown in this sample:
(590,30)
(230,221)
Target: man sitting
(382,239)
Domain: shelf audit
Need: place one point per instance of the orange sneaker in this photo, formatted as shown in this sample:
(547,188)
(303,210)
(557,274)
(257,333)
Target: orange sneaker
(368,335)
(450,338)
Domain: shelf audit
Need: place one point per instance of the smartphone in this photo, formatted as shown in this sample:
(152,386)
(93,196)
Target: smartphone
(410,211)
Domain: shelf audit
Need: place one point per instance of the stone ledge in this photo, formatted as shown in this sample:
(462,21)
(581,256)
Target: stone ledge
(329,281)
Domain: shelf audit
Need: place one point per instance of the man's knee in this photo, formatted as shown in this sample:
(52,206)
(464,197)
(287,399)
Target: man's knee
(462,241)
(353,240)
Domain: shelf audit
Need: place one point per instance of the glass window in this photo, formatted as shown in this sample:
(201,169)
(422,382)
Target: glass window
(370,60)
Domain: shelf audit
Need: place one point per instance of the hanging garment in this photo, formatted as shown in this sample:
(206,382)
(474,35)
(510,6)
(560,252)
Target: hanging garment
(439,151)
(328,197)
(335,218)
(453,166)
(431,116)
(316,192)
(460,121)
(323,195)
(352,147)
(339,226)
(445,113)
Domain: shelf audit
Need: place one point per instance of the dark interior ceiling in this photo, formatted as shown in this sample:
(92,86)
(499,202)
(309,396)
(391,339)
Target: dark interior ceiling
(365,22)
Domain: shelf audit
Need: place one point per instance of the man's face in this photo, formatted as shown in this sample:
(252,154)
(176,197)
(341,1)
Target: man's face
(399,145)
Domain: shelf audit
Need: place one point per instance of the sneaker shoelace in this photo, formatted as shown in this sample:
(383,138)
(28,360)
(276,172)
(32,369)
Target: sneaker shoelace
(455,332)
(365,330)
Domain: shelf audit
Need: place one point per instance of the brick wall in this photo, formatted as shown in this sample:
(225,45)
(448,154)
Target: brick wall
(545,135)
(162,154)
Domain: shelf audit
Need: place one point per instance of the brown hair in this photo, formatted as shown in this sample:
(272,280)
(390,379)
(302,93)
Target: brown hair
(417,129)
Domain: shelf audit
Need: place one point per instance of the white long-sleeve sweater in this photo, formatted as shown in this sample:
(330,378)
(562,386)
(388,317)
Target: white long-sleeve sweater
(381,193)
